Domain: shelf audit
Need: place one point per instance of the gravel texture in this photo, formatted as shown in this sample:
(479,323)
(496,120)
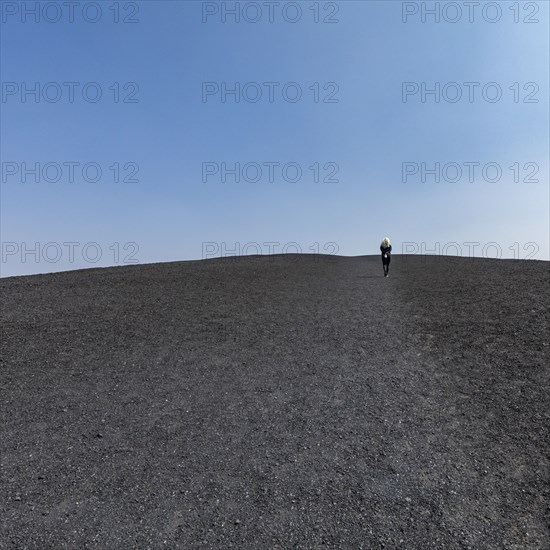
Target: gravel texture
(277,402)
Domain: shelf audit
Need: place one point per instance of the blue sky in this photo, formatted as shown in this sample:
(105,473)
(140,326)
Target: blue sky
(366,133)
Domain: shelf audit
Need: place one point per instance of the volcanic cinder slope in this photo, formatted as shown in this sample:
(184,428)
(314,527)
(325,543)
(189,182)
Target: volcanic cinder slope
(292,402)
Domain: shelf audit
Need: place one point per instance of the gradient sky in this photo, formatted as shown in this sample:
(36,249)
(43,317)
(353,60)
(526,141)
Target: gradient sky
(170,131)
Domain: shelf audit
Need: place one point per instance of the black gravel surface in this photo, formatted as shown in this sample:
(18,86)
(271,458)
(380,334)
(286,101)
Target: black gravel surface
(290,402)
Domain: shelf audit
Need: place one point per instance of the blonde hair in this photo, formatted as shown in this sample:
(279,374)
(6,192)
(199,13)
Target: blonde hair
(386,242)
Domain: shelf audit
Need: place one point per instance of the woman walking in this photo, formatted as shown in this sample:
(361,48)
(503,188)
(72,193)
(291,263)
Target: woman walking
(385,249)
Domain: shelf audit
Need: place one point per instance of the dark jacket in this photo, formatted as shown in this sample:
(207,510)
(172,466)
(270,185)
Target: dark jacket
(385,251)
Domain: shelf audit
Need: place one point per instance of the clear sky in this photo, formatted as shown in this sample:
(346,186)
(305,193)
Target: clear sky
(168,123)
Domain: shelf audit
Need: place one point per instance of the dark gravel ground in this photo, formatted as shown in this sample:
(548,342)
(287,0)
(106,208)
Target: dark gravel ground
(287,402)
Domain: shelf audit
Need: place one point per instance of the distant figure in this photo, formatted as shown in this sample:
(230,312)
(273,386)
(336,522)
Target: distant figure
(385,249)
